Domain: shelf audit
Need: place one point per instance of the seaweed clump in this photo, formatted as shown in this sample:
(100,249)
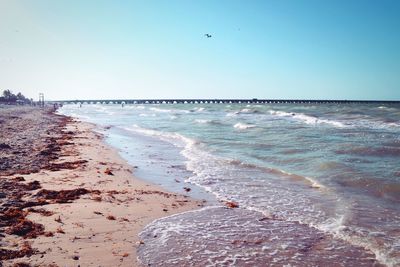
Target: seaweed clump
(62,196)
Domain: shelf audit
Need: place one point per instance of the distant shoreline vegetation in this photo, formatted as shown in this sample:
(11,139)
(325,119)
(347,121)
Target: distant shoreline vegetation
(8,97)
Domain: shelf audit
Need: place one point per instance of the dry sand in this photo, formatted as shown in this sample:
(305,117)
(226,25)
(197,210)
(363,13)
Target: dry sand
(101,226)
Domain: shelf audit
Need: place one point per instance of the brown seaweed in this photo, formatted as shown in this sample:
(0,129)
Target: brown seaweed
(62,196)
(26,229)
(231,204)
(24,250)
(108,171)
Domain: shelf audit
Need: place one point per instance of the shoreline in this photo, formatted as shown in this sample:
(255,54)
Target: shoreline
(99,226)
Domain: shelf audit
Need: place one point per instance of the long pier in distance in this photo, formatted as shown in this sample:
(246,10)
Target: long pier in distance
(222,101)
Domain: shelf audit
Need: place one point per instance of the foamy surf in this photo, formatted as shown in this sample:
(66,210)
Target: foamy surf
(243,126)
(215,236)
(306,118)
(202,121)
(322,177)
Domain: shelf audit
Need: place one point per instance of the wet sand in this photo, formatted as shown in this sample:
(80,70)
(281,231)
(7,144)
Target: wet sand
(68,199)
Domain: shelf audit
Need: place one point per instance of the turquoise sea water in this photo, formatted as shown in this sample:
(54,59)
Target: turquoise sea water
(322,180)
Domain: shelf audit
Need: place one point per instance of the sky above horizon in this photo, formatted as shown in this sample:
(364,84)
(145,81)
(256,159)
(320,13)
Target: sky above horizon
(281,49)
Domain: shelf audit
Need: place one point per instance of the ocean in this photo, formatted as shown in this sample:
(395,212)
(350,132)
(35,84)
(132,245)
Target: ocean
(316,184)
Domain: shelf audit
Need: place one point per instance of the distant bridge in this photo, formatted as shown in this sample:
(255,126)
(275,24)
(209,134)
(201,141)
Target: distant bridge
(222,101)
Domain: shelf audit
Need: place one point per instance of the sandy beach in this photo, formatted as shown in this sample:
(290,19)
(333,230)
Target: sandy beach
(68,199)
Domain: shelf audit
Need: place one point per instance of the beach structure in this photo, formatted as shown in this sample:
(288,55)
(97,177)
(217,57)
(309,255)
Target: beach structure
(222,101)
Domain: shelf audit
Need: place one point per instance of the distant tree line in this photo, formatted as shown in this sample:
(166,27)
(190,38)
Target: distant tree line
(10,98)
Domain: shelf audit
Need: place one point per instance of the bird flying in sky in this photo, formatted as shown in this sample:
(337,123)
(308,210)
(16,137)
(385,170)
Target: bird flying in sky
(208,35)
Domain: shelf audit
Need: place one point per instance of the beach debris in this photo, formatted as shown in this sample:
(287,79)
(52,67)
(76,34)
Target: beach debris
(27,153)
(97,212)
(78,224)
(115,192)
(21,264)
(12,215)
(58,219)
(111,218)
(65,143)
(60,230)
(258,242)
(97,198)
(231,204)
(69,165)
(75,257)
(165,210)
(108,171)
(48,234)
(182,202)
(33,185)
(4,146)
(176,180)
(77,238)
(26,229)
(187,189)
(155,192)
(24,250)
(17,224)
(42,212)
(62,196)
(15,189)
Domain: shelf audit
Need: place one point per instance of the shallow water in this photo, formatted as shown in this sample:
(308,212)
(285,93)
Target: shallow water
(217,236)
(324,170)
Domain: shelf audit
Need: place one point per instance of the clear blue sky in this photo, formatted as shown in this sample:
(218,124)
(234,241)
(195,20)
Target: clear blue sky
(98,49)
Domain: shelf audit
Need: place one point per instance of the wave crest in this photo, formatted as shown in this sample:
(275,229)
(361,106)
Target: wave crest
(306,118)
(243,126)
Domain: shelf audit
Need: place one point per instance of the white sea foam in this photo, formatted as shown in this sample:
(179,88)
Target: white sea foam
(210,172)
(233,182)
(243,126)
(174,138)
(174,111)
(375,124)
(337,227)
(306,118)
(200,109)
(160,110)
(314,183)
(134,107)
(202,121)
(232,114)
(360,122)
